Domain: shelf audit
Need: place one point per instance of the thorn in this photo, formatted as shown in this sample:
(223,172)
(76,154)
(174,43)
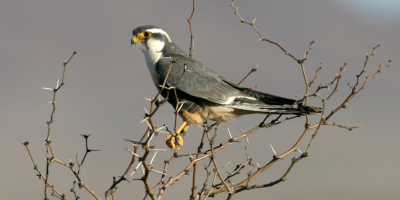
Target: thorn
(230,136)
(159,150)
(240,130)
(58,81)
(257,164)
(169,88)
(136,168)
(148,142)
(147,99)
(248,143)
(179,109)
(89,150)
(163,132)
(299,150)
(45,88)
(142,169)
(148,125)
(161,128)
(272,149)
(134,142)
(153,157)
(133,153)
(86,136)
(145,119)
(153,170)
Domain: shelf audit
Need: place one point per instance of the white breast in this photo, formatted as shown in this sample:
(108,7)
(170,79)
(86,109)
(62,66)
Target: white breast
(153,55)
(151,64)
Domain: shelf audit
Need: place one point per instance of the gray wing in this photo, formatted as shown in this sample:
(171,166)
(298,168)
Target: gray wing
(199,81)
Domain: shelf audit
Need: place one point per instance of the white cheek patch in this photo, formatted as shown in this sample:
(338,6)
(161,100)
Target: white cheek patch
(154,45)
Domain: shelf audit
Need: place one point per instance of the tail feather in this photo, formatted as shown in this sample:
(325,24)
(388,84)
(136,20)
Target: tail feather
(276,109)
(268,103)
(264,97)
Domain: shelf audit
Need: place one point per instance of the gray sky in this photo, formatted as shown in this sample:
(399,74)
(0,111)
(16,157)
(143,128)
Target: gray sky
(108,78)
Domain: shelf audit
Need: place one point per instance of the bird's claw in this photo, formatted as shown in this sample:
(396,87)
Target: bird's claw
(174,141)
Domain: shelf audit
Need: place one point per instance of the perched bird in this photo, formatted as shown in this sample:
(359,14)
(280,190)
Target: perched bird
(200,92)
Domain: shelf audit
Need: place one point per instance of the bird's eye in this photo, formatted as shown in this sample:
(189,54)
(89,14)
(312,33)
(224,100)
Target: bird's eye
(146,34)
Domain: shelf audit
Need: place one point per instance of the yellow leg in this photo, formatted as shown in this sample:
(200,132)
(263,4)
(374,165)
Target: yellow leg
(183,133)
(183,126)
(186,127)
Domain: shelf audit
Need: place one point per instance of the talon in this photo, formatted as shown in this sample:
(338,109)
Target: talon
(174,141)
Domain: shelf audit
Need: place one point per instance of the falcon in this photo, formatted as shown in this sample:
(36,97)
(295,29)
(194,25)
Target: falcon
(197,92)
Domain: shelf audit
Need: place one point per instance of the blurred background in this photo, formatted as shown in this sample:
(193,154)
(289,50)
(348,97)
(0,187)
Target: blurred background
(107,81)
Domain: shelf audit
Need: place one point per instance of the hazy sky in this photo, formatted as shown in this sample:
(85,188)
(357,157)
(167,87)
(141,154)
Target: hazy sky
(107,80)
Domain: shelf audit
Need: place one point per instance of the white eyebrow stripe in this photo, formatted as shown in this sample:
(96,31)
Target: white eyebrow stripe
(157,30)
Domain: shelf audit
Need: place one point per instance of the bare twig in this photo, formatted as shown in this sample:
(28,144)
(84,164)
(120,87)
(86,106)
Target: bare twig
(251,71)
(261,37)
(212,157)
(191,32)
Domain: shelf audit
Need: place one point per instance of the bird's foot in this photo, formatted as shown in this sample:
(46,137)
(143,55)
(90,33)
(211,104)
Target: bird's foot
(174,141)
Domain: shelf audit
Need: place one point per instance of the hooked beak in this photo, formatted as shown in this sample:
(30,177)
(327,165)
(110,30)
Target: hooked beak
(136,39)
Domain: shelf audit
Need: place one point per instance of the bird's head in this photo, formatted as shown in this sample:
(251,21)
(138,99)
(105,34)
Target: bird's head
(150,39)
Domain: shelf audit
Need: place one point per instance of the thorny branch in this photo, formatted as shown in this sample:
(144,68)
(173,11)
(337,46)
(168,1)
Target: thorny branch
(219,183)
(212,157)
(40,175)
(49,150)
(261,37)
(47,141)
(245,184)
